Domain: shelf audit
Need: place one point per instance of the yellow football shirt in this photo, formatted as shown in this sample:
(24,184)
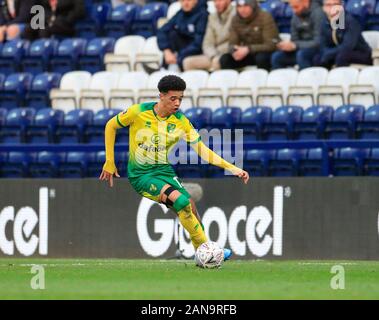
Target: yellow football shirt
(151,137)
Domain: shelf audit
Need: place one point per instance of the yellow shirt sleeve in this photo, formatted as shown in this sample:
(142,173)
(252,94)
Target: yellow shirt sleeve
(122,120)
(213,158)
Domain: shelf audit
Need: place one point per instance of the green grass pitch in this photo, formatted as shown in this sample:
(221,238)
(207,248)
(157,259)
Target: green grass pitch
(180,279)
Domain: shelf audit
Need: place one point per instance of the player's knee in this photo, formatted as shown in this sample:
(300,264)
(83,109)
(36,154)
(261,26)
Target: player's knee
(173,198)
(182,202)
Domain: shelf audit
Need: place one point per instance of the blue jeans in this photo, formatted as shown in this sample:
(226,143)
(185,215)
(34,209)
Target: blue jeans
(302,57)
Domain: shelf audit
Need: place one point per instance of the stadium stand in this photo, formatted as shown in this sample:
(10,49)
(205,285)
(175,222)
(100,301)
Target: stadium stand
(57,94)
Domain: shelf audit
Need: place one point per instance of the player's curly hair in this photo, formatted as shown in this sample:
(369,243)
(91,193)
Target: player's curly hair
(171,82)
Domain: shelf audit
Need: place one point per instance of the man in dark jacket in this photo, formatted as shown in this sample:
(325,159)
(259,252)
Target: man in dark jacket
(341,45)
(60,19)
(14,15)
(305,36)
(253,37)
(183,34)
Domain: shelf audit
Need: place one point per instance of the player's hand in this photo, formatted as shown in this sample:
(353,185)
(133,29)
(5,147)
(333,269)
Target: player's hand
(107,176)
(244,175)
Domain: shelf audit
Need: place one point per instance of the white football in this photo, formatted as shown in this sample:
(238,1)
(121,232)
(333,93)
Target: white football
(209,255)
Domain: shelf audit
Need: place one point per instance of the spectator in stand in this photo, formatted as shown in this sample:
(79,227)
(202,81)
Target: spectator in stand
(342,42)
(14,15)
(60,19)
(182,36)
(253,37)
(305,36)
(216,40)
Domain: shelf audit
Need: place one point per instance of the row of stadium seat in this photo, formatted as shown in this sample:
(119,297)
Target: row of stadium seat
(130,51)
(51,55)
(222,87)
(24,89)
(102,20)
(82,54)
(282,162)
(25,125)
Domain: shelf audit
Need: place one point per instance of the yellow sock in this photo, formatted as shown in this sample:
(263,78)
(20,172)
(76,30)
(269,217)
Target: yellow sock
(192,225)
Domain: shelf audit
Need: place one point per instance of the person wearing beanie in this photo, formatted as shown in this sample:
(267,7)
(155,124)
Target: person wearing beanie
(253,37)
(305,36)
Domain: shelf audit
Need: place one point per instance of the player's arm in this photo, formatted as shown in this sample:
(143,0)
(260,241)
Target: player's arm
(213,158)
(119,121)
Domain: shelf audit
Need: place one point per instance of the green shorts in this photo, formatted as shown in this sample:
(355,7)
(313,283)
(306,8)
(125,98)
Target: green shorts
(150,185)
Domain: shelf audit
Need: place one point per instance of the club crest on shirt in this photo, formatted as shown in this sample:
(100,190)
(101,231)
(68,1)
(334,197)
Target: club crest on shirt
(171,127)
(191,28)
(148,124)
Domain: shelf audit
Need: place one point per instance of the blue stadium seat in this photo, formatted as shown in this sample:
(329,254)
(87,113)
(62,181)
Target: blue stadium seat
(257,162)
(43,128)
(373,20)
(120,20)
(349,161)
(252,121)
(38,56)
(2,80)
(190,165)
(313,121)
(369,127)
(200,117)
(67,55)
(96,17)
(11,55)
(14,90)
(17,165)
(76,164)
(226,117)
(3,116)
(232,157)
(3,159)
(371,163)
(73,127)
(122,159)
(38,95)
(361,10)
(93,58)
(94,132)
(282,123)
(277,9)
(286,163)
(16,123)
(95,166)
(344,122)
(312,164)
(46,164)
(284,22)
(145,21)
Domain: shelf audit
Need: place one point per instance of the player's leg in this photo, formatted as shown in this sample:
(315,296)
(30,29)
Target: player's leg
(194,210)
(182,205)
